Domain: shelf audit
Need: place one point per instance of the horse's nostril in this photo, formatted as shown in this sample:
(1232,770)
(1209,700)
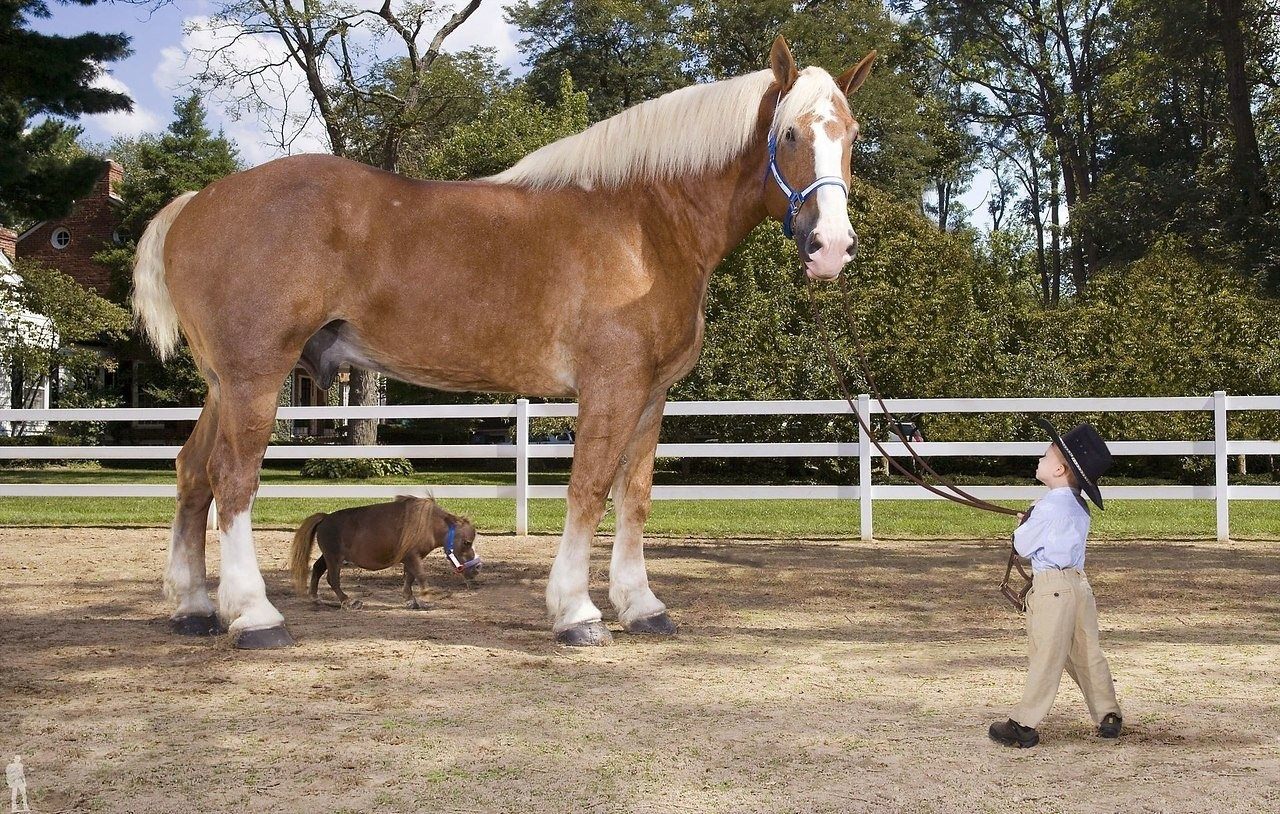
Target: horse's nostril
(853,244)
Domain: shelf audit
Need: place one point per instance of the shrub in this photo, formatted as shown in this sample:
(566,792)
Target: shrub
(334,468)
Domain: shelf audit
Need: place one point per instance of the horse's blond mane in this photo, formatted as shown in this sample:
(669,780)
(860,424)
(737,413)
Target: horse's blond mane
(687,131)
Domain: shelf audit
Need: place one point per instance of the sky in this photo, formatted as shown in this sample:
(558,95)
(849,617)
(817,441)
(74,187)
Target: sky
(160,70)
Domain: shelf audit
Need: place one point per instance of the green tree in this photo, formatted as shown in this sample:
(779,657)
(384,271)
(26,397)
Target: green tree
(620,52)
(47,75)
(61,348)
(510,126)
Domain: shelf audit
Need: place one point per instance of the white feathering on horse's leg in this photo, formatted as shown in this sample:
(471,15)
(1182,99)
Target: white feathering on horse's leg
(568,601)
(242,595)
(184,579)
(629,589)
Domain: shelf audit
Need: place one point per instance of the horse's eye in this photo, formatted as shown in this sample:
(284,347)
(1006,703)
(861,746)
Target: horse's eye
(790,134)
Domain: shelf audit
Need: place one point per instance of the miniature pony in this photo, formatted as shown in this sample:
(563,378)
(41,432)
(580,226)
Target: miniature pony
(379,536)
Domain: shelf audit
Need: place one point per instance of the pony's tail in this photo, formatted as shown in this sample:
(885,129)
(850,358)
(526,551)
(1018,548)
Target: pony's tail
(152,308)
(301,551)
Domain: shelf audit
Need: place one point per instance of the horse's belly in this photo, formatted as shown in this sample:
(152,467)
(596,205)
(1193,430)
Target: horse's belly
(495,363)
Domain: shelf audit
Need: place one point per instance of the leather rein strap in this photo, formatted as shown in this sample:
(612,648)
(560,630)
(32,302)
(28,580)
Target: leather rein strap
(956,495)
(1016,596)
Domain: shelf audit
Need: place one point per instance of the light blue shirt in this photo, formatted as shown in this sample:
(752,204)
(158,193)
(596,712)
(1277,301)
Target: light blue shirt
(1055,533)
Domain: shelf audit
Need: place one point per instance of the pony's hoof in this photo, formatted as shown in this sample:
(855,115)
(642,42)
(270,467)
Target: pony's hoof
(585,634)
(354,604)
(659,624)
(191,625)
(264,638)
(414,604)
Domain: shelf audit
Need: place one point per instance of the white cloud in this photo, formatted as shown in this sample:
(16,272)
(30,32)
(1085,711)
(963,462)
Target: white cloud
(122,123)
(487,27)
(261,113)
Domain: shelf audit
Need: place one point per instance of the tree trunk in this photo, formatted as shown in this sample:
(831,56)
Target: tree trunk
(1055,234)
(364,393)
(1248,161)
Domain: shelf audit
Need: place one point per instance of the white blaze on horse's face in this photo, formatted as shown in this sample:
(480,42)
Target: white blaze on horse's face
(831,242)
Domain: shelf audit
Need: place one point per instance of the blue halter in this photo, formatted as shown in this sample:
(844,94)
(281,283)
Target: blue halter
(452,558)
(795,199)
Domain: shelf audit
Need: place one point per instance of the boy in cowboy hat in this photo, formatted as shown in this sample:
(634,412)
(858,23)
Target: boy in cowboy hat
(1062,619)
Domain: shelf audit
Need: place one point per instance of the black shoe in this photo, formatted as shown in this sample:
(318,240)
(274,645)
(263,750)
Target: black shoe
(1110,726)
(1012,733)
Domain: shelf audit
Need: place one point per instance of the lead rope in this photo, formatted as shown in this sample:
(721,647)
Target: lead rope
(960,496)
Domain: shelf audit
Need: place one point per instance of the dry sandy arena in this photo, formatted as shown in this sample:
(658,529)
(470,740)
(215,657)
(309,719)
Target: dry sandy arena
(815,676)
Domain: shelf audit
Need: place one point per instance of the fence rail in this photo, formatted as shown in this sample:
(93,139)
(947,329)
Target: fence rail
(1220,405)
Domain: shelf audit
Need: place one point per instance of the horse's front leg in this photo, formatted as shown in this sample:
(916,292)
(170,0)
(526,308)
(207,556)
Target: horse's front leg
(414,571)
(607,417)
(246,414)
(639,610)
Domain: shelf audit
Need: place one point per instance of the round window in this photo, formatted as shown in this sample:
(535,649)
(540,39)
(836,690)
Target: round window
(61,238)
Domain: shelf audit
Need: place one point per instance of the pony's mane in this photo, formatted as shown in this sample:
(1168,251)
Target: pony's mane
(687,131)
(419,519)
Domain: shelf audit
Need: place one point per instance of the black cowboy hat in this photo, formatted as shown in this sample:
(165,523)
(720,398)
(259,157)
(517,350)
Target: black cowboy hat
(1086,453)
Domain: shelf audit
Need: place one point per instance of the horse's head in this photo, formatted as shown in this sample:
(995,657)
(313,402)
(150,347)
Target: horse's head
(810,148)
(464,547)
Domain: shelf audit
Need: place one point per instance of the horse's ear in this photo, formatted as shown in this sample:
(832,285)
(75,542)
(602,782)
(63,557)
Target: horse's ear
(853,78)
(783,64)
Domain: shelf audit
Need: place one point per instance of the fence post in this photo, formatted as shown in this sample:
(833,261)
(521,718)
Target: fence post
(522,466)
(1221,487)
(864,467)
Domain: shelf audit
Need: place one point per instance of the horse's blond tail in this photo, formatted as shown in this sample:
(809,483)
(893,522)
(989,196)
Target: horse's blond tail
(152,307)
(301,551)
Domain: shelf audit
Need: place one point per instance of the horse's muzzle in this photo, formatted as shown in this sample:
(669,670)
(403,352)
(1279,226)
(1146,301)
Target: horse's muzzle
(825,259)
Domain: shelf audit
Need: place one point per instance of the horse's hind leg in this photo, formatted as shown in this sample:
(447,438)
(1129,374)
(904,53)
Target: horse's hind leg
(639,610)
(184,580)
(330,543)
(246,414)
(335,582)
(317,571)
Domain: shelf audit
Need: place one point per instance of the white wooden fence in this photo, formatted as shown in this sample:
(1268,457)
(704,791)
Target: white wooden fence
(522,451)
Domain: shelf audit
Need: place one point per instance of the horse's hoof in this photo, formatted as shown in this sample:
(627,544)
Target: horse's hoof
(354,604)
(585,634)
(264,638)
(659,624)
(192,625)
(416,605)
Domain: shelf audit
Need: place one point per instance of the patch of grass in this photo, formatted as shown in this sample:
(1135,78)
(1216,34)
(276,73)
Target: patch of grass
(1123,519)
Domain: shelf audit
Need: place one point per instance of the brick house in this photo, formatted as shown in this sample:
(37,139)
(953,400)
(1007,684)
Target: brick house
(69,244)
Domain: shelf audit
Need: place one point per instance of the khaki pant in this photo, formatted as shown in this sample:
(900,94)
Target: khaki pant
(1062,625)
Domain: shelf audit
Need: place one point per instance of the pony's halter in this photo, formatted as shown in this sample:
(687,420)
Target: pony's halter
(795,199)
(459,567)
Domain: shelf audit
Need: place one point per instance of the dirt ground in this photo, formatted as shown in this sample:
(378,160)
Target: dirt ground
(813,676)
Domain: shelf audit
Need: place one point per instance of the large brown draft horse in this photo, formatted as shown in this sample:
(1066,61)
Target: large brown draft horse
(578,273)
